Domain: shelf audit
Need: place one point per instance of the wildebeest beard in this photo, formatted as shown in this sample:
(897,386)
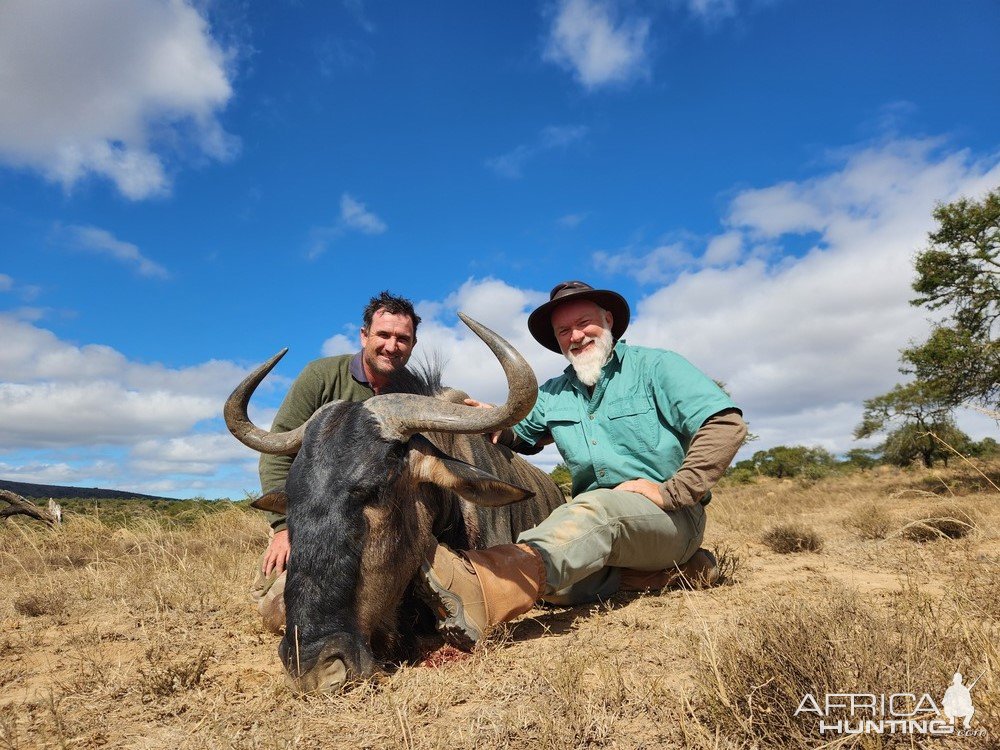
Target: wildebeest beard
(358,532)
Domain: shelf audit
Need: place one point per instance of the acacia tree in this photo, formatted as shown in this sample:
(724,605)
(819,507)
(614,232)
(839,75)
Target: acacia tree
(959,272)
(912,415)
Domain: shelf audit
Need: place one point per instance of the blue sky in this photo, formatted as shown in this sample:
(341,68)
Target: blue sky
(186,187)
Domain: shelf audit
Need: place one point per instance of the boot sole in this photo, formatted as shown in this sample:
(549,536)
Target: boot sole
(448,611)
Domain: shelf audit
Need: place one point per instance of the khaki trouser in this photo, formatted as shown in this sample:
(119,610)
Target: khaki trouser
(586,542)
(269,594)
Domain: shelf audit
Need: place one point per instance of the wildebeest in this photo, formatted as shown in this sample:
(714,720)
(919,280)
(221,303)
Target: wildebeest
(373,485)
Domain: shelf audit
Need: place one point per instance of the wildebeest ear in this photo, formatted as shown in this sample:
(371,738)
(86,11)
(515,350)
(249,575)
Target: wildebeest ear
(429,464)
(276,502)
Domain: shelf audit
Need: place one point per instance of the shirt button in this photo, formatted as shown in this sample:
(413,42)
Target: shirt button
(591,416)
(601,473)
(593,442)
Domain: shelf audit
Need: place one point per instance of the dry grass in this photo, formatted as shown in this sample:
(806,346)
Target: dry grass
(870,521)
(143,637)
(948,521)
(792,537)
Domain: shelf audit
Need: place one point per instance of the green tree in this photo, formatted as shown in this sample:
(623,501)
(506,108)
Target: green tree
(912,415)
(561,476)
(906,444)
(959,273)
(861,458)
(791,461)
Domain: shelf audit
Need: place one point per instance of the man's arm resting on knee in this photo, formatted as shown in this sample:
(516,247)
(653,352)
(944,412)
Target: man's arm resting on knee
(711,450)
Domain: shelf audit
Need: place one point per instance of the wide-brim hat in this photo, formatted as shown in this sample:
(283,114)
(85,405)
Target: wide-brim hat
(540,321)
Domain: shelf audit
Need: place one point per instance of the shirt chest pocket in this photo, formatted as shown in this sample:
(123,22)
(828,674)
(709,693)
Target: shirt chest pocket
(632,424)
(564,426)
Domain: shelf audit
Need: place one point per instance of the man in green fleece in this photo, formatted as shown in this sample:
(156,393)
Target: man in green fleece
(388,335)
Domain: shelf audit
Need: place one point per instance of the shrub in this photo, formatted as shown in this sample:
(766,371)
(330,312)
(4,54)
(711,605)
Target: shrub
(787,538)
(944,522)
(870,521)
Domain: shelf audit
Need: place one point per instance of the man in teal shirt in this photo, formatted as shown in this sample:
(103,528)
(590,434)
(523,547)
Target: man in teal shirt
(645,435)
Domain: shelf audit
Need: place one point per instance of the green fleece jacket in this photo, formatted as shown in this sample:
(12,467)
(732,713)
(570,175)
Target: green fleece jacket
(319,383)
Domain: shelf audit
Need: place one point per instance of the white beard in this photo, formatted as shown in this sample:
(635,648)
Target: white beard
(588,364)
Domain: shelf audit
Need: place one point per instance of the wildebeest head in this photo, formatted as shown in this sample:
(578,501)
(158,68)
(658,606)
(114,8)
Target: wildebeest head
(367,496)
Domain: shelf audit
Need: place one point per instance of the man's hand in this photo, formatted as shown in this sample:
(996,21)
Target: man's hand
(645,488)
(276,557)
(480,405)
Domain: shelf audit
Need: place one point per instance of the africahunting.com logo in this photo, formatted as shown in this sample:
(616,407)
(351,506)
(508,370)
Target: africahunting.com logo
(896,713)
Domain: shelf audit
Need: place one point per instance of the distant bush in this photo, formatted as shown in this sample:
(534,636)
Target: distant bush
(784,461)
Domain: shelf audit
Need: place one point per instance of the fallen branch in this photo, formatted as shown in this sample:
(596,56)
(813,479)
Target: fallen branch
(20,506)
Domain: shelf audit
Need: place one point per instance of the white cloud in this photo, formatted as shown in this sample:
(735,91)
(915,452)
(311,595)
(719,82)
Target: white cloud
(723,249)
(512,163)
(711,10)
(102,242)
(658,265)
(53,393)
(571,221)
(355,215)
(801,341)
(190,454)
(61,473)
(102,87)
(6,283)
(588,40)
(340,344)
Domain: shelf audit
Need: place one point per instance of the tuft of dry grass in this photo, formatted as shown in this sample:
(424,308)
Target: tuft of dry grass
(788,538)
(730,564)
(163,675)
(40,603)
(870,521)
(943,522)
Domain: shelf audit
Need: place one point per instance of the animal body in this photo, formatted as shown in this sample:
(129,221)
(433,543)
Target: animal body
(373,487)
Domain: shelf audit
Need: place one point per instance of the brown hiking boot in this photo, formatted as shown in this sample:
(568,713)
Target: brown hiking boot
(701,571)
(471,593)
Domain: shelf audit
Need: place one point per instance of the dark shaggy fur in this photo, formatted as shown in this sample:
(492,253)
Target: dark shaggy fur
(359,527)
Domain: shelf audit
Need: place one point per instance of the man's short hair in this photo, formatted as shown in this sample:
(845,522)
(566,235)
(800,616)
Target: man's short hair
(391,304)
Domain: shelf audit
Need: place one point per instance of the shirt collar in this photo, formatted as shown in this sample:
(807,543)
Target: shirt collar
(358,370)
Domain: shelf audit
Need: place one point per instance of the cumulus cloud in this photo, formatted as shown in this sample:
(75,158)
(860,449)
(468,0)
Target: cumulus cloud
(53,393)
(802,339)
(190,454)
(102,242)
(6,283)
(512,163)
(596,43)
(340,344)
(658,265)
(152,74)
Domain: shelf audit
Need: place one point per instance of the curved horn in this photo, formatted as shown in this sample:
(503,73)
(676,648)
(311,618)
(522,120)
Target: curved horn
(403,414)
(238,421)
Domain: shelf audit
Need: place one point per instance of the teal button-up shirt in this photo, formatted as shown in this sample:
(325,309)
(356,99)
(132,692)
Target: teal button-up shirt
(638,423)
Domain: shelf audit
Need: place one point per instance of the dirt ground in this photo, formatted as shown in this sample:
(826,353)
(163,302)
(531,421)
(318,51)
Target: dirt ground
(144,636)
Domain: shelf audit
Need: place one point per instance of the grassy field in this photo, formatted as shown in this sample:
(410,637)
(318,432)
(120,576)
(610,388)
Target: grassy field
(134,630)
